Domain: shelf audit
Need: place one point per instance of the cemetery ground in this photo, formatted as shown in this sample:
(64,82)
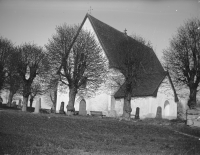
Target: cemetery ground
(29,133)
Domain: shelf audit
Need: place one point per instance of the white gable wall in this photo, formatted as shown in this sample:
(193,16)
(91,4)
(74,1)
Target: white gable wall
(88,27)
(166,99)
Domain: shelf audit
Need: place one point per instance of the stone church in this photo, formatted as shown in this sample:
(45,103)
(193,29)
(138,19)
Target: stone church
(154,87)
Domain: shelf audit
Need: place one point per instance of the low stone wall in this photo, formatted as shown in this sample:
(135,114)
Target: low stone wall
(193,117)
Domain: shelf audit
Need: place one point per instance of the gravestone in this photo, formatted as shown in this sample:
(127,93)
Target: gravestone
(38,106)
(159,112)
(61,111)
(82,107)
(137,113)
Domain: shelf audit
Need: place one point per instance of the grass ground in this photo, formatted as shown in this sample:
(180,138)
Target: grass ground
(28,133)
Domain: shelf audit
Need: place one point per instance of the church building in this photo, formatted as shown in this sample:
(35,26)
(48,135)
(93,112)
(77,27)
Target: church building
(154,88)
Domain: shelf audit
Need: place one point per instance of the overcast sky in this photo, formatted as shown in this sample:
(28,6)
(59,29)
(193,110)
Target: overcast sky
(155,20)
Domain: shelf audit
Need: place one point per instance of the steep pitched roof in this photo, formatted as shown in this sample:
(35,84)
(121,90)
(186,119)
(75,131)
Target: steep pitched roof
(111,41)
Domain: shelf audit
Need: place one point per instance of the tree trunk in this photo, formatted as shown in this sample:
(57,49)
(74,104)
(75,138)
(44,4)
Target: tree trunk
(25,102)
(31,100)
(192,98)
(26,93)
(72,96)
(127,107)
(55,100)
(10,97)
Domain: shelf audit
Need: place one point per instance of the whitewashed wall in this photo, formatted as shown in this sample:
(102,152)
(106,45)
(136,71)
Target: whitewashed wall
(148,105)
(98,103)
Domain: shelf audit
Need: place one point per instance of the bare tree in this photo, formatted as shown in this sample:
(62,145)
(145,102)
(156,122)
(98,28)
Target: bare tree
(6,48)
(182,58)
(13,80)
(81,67)
(31,62)
(13,84)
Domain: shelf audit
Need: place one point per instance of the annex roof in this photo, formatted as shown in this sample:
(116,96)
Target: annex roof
(145,86)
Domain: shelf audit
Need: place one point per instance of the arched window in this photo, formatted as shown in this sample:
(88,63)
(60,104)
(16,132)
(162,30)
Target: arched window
(166,108)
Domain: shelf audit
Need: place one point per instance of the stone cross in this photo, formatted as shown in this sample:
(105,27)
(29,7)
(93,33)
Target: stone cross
(90,10)
(38,106)
(82,107)
(159,112)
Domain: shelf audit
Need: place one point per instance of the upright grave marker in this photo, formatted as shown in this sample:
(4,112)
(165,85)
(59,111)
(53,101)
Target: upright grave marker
(137,113)
(159,112)
(38,106)
(61,111)
(82,107)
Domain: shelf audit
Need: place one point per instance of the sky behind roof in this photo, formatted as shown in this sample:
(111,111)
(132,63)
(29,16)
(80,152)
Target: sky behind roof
(155,20)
